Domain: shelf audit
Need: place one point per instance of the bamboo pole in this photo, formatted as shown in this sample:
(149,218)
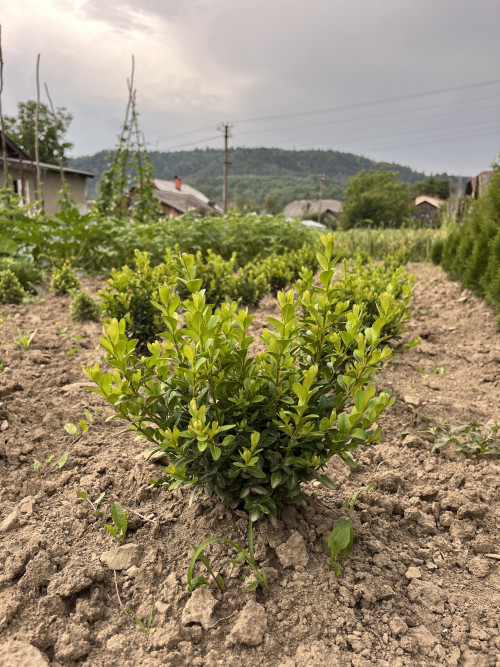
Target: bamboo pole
(64,183)
(37,148)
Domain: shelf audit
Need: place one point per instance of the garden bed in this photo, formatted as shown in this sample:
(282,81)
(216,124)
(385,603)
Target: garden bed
(421,585)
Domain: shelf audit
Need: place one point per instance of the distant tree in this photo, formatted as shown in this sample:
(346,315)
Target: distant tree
(271,204)
(375,199)
(21,130)
(436,187)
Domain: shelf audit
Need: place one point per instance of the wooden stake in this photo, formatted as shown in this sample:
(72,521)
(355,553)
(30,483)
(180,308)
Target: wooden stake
(4,143)
(37,151)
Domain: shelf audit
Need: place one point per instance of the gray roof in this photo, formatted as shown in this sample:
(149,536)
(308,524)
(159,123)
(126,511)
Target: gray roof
(50,167)
(300,207)
(184,202)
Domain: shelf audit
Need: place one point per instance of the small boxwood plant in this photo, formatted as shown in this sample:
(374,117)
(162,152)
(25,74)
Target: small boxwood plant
(252,427)
(11,290)
(64,280)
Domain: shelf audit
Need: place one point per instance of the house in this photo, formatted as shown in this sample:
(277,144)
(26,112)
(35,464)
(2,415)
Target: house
(478,184)
(425,208)
(177,198)
(303,208)
(22,177)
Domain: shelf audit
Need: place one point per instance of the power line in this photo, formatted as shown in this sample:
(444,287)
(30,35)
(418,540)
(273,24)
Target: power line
(358,105)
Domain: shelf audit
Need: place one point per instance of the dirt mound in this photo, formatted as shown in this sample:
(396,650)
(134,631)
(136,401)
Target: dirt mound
(421,586)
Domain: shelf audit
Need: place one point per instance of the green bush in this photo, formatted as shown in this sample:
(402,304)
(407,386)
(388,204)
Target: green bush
(11,290)
(252,428)
(64,280)
(83,308)
(437,251)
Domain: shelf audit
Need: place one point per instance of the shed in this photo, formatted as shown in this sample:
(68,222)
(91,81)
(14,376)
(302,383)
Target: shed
(478,184)
(301,208)
(426,208)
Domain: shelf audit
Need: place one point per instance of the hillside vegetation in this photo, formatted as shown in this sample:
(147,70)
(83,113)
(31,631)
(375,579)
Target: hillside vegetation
(258,172)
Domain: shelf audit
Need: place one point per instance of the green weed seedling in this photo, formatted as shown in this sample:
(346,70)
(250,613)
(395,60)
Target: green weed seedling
(93,503)
(82,426)
(73,338)
(24,341)
(474,439)
(242,554)
(42,466)
(145,626)
(350,502)
(340,542)
(119,518)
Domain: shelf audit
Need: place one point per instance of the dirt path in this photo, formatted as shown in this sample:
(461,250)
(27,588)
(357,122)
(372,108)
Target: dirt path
(422,585)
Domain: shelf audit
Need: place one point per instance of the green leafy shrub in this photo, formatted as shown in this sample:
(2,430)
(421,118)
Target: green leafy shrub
(83,308)
(437,251)
(11,290)
(64,280)
(252,428)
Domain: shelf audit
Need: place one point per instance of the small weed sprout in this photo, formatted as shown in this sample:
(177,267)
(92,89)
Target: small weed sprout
(82,426)
(93,503)
(24,340)
(73,338)
(340,542)
(350,502)
(42,466)
(119,518)
(242,554)
(474,439)
(145,626)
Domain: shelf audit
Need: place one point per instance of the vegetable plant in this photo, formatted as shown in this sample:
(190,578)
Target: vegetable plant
(41,466)
(251,428)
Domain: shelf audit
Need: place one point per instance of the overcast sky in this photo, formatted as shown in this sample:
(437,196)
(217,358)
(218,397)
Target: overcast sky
(286,73)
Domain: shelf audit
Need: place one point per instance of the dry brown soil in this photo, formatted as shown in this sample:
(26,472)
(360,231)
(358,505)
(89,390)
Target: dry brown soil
(421,587)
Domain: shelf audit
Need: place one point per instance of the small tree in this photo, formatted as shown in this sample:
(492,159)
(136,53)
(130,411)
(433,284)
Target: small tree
(52,128)
(435,187)
(375,199)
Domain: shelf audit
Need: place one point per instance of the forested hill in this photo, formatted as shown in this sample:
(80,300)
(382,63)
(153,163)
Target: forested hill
(255,173)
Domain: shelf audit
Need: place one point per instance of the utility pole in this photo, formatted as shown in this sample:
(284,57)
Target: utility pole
(225,127)
(321,179)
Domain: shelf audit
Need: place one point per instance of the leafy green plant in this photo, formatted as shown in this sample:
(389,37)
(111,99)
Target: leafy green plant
(93,503)
(340,542)
(474,439)
(119,527)
(350,502)
(251,428)
(74,338)
(84,307)
(11,290)
(242,554)
(24,340)
(41,467)
(64,280)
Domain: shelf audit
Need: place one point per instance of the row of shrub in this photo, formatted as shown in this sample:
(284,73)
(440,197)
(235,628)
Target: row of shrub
(471,251)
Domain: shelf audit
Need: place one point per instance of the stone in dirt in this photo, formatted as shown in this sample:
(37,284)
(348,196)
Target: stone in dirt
(413,573)
(123,557)
(10,521)
(74,578)
(427,594)
(73,644)
(199,608)
(250,626)
(21,654)
(479,567)
(293,553)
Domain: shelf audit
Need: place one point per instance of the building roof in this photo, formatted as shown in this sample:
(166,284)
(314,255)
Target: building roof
(433,201)
(185,199)
(300,207)
(16,154)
